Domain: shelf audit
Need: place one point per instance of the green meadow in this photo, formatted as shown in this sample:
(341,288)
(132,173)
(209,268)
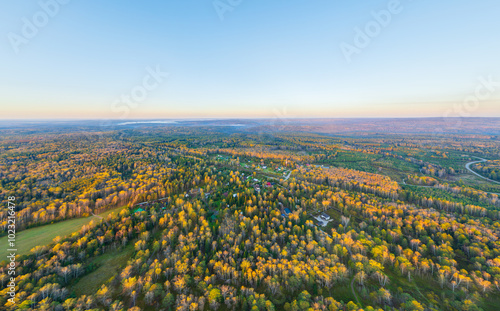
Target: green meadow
(44,235)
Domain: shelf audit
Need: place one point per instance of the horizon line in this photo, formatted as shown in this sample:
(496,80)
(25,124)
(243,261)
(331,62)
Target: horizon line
(242,118)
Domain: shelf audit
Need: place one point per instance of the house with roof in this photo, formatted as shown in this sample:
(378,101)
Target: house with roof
(325,216)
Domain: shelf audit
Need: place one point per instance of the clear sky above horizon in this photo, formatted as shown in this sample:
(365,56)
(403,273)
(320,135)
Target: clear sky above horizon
(93,59)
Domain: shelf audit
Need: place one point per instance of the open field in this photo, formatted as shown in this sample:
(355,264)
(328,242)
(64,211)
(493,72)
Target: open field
(474,181)
(109,265)
(27,239)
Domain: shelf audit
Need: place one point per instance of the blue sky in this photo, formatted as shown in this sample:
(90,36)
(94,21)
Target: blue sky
(263,59)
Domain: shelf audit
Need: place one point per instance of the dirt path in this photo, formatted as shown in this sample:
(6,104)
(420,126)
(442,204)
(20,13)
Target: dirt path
(100,217)
(354,292)
(404,183)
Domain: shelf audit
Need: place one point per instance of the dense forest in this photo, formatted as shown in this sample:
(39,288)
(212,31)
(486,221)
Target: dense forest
(206,218)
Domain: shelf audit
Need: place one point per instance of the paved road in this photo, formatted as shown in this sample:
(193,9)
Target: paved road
(468,165)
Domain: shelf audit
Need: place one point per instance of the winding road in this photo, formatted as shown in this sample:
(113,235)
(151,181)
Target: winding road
(468,165)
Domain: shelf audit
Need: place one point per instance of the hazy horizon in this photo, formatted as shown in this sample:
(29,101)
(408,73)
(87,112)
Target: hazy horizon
(164,120)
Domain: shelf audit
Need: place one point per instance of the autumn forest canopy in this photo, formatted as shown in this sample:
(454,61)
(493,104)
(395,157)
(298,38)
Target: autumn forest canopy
(252,214)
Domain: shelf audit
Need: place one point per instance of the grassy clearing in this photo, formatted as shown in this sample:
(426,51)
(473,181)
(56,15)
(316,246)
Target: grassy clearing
(342,292)
(111,211)
(27,239)
(476,182)
(490,303)
(109,265)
